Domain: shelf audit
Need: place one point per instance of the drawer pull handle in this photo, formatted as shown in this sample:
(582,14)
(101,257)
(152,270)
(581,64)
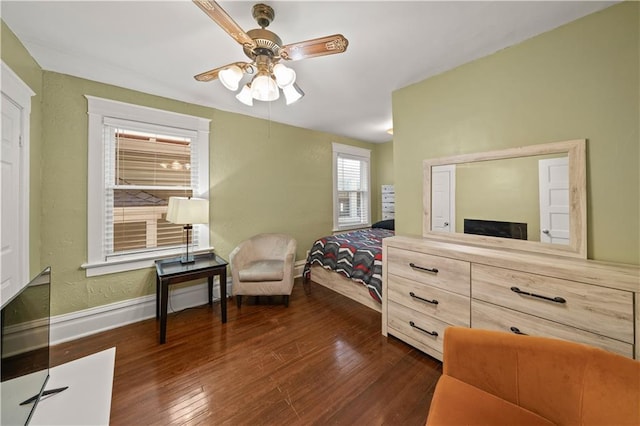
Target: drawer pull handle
(421,268)
(431,333)
(516,330)
(556,299)
(433,302)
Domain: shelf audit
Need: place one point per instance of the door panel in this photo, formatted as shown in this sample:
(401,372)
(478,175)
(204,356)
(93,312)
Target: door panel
(443,213)
(10,279)
(554,200)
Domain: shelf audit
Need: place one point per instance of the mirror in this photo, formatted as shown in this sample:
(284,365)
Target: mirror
(530,198)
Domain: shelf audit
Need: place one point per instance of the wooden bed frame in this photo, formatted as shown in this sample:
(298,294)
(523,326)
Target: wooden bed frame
(345,286)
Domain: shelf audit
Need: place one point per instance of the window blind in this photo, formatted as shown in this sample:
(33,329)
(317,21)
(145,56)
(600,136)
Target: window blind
(143,169)
(352,187)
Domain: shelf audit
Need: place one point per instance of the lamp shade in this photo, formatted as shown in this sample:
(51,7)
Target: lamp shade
(245,95)
(230,77)
(187,211)
(284,75)
(264,88)
(292,93)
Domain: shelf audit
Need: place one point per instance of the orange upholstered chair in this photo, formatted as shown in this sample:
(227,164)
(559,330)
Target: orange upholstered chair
(497,378)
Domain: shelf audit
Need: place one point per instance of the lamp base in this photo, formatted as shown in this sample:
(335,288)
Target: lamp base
(187,258)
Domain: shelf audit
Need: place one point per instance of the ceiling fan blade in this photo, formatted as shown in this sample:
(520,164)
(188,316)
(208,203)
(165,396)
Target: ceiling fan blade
(221,18)
(316,47)
(213,74)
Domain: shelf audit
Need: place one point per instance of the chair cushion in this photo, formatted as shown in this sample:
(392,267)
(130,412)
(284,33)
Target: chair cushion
(458,403)
(262,270)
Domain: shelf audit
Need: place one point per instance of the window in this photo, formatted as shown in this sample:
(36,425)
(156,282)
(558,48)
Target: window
(138,158)
(351,200)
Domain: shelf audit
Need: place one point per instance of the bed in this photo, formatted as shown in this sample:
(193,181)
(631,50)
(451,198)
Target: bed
(351,263)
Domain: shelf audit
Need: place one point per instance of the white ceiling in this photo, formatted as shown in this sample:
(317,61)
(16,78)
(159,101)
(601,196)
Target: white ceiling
(158,46)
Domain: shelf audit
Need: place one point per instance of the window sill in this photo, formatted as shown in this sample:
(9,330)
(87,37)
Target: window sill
(95,269)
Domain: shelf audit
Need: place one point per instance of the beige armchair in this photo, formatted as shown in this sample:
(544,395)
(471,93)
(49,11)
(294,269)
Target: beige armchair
(263,265)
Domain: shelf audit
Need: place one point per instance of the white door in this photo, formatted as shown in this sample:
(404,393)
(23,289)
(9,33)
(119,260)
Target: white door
(443,200)
(554,200)
(14,185)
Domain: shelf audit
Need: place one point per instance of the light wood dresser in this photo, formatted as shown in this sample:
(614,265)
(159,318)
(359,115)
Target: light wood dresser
(431,284)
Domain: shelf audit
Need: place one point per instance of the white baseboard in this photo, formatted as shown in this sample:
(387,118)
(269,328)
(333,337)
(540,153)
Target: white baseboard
(83,323)
(298,267)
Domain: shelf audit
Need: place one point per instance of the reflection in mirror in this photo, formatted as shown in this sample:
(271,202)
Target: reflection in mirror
(508,191)
(535,194)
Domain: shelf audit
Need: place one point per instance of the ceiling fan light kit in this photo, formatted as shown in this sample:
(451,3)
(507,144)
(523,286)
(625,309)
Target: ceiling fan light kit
(266,50)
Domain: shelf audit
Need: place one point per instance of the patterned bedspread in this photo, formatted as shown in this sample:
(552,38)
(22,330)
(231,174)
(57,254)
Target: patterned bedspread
(356,255)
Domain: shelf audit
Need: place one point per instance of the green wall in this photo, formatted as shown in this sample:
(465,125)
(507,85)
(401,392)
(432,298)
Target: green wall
(384,166)
(264,176)
(577,81)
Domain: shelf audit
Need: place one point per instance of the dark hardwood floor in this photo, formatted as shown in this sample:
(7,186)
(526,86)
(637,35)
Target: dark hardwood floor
(320,361)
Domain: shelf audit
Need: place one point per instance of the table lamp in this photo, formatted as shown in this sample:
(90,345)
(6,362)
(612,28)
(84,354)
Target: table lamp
(187,211)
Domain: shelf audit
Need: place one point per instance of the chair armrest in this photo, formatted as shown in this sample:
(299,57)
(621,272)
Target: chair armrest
(290,256)
(241,255)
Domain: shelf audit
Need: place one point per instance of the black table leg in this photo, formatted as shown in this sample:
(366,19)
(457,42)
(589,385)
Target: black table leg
(210,286)
(157,297)
(223,294)
(163,310)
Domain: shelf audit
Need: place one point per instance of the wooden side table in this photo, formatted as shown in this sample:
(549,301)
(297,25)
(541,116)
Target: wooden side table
(172,271)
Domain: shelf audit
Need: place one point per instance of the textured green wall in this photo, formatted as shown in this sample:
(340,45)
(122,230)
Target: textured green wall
(384,166)
(270,177)
(18,59)
(264,176)
(577,81)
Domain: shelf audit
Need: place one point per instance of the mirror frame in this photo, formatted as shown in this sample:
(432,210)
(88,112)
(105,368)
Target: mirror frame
(576,151)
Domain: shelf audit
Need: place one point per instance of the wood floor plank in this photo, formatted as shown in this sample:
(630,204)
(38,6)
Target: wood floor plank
(322,360)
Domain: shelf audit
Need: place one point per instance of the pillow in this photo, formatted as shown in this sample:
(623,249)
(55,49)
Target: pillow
(385,224)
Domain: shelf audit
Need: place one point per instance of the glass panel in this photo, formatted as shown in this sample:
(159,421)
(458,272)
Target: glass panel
(138,219)
(352,196)
(146,166)
(349,178)
(150,160)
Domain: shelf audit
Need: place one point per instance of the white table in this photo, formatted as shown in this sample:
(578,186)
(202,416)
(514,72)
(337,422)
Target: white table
(88,399)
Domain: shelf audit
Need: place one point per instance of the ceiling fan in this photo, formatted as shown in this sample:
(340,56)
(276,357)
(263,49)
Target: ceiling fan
(266,51)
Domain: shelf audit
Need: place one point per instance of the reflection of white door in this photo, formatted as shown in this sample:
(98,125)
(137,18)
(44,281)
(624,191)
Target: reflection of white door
(14,161)
(554,200)
(443,200)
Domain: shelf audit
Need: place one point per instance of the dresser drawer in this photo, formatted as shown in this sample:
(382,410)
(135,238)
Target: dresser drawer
(491,317)
(400,320)
(441,272)
(600,310)
(388,197)
(449,307)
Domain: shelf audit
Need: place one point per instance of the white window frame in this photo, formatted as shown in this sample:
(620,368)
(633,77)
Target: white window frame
(363,155)
(100,109)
